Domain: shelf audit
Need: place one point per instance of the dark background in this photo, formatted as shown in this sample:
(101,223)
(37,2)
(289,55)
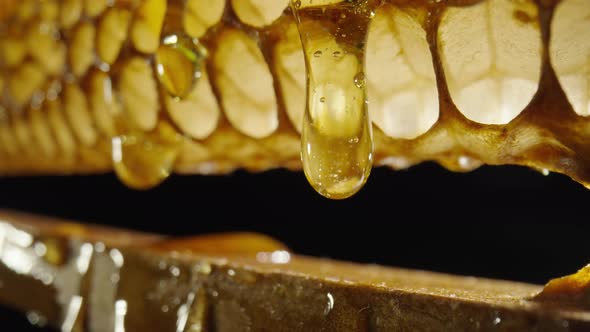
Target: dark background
(500,222)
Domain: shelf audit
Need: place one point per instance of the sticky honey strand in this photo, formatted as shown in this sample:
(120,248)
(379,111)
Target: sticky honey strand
(336,138)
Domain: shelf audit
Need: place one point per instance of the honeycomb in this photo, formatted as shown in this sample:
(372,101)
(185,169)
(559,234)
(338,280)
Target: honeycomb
(331,87)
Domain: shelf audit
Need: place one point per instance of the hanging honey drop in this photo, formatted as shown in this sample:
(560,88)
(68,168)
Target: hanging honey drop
(179,61)
(143,160)
(336,139)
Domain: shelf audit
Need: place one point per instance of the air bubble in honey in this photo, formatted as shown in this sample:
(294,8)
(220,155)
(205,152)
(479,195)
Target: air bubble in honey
(359,80)
(178,62)
(143,160)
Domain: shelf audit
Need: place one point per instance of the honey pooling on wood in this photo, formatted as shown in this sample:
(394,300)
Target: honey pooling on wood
(336,138)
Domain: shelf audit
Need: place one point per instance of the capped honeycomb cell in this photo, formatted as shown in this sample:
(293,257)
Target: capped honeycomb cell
(200,15)
(245,84)
(139,93)
(491,54)
(78,114)
(259,13)
(112,33)
(198,113)
(403,96)
(290,71)
(569,50)
(81,51)
(147,25)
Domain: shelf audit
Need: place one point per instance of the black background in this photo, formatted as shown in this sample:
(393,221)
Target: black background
(504,222)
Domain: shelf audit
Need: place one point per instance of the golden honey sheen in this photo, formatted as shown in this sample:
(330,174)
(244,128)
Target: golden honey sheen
(336,135)
(330,87)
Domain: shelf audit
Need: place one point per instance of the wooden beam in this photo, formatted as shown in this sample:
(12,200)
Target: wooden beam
(82,277)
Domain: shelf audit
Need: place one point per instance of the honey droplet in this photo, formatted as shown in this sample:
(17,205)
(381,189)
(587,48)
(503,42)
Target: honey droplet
(336,139)
(55,251)
(178,62)
(143,160)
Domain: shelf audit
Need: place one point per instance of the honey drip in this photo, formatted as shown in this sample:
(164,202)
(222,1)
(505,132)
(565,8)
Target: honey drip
(178,61)
(142,160)
(336,139)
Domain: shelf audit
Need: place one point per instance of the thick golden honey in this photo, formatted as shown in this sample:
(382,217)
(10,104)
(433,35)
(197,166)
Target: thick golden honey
(336,137)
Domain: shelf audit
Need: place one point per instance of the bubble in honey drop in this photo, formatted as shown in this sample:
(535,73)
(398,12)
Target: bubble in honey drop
(178,62)
(359,80)
(143,160)
(336,167)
